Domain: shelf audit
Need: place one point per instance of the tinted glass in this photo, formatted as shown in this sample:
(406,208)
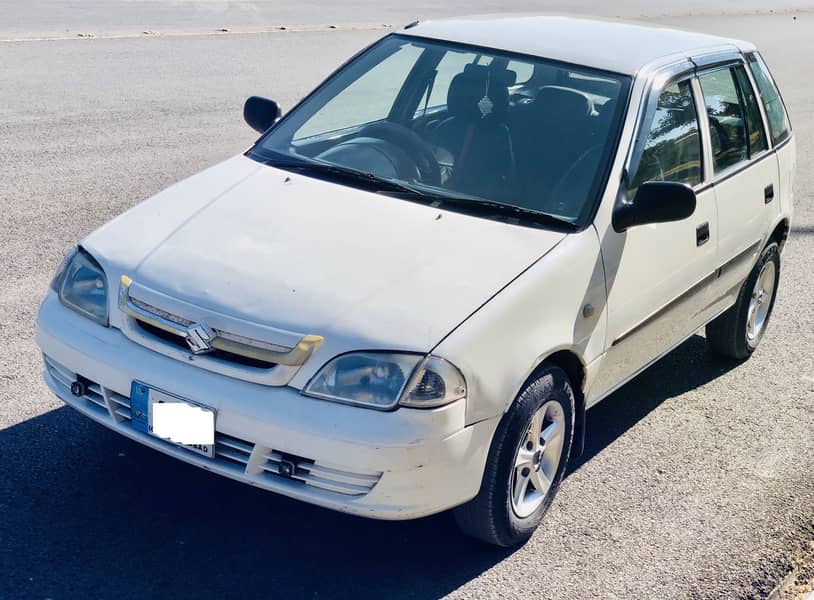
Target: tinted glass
(772,103)
(672,149)
(448,67)
(727,125)
(466,123)
(754,122)
(367,99)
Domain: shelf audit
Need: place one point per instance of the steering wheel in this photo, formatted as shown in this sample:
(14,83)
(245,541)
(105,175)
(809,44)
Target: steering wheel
(411,144)
(572,176)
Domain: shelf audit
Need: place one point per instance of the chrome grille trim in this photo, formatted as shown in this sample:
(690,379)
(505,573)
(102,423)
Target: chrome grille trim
(149,309)
(246,341)
(278,363)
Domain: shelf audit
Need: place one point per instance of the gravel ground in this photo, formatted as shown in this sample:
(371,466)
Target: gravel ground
(696,479)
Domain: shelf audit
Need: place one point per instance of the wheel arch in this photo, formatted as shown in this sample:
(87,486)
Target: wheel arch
(571,362)
(780,233)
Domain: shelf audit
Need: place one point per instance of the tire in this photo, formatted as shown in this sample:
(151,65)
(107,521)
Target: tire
(733,334)
(493,515)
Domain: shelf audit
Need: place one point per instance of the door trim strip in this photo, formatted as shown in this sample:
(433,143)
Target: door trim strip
(695,288)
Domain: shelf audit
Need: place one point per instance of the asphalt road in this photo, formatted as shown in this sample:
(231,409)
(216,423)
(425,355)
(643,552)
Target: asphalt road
(697,477)
(61,17)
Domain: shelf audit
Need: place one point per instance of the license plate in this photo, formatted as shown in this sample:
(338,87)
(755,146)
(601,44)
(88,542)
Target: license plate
(173,419)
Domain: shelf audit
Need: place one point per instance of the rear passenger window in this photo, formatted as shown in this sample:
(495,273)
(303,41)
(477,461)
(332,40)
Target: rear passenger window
(775,111)
(727,125)
(672,149)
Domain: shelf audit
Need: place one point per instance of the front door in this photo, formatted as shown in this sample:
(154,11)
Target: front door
(658,275)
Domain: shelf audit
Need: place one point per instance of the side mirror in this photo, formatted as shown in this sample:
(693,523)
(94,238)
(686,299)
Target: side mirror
(260,113)
(654,202)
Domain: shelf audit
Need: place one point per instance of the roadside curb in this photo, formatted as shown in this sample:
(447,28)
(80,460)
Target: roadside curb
(280,29)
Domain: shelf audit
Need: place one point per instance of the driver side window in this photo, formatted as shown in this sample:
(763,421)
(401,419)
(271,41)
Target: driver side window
(672,148)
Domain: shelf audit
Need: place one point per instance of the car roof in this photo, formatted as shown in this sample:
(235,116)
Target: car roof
(619,46)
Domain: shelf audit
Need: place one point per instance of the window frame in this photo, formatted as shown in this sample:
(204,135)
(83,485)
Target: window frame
(764,124)
(727,60)
(658,81)
(763,111)
(690,68)
(644,127)
(728,65)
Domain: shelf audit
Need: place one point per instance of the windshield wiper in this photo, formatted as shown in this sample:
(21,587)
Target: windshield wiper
(466,204)
(479,206)
(370,180)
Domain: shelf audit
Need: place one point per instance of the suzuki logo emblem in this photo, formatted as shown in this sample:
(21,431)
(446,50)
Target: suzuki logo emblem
(199,338)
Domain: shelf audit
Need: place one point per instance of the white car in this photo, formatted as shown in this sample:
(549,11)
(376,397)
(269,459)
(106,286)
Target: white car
(406,295)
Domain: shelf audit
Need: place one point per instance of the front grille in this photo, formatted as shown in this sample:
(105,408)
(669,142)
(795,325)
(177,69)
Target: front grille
(221,340)
(180,342)
(231,452)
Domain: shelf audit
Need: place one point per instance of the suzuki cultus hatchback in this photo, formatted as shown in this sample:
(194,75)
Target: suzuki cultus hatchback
(405,296)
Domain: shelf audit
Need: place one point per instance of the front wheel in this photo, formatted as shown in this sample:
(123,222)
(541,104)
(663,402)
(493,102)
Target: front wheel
(526,463)
(737,333)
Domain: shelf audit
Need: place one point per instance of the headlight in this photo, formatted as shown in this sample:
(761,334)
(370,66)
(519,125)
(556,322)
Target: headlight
(383,380)
(81,285)
(435,382)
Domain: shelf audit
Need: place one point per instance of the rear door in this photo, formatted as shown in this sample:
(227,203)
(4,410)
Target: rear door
(744,173)
(780,134)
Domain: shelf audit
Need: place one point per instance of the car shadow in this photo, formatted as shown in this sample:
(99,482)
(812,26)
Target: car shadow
(87,513)
(687,367)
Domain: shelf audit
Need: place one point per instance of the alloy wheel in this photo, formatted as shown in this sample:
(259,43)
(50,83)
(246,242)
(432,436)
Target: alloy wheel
(537,459)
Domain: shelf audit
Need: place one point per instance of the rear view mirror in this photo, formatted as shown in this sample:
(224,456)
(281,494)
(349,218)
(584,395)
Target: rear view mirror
(654,202)
(260,113)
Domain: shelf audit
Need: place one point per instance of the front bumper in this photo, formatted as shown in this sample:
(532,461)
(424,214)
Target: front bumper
(389,465)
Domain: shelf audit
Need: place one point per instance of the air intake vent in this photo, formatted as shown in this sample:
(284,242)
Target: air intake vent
(233,450)
(310,473)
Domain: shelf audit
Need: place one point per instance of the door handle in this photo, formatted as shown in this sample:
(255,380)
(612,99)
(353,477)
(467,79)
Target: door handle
(768,193)
(702,234)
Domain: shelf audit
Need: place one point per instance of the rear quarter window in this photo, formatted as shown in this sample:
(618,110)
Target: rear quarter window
(779,125)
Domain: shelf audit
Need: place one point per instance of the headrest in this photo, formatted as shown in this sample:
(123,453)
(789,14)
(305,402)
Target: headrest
(563,104)
(479,92)
(502,75)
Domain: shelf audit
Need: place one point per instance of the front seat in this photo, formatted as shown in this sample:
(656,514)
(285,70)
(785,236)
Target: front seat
(551,136)
(473,143)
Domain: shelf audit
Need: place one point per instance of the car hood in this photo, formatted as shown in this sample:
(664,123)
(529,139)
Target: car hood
(289,252)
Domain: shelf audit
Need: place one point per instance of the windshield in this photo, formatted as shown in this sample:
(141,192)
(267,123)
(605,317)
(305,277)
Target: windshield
(435,120)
